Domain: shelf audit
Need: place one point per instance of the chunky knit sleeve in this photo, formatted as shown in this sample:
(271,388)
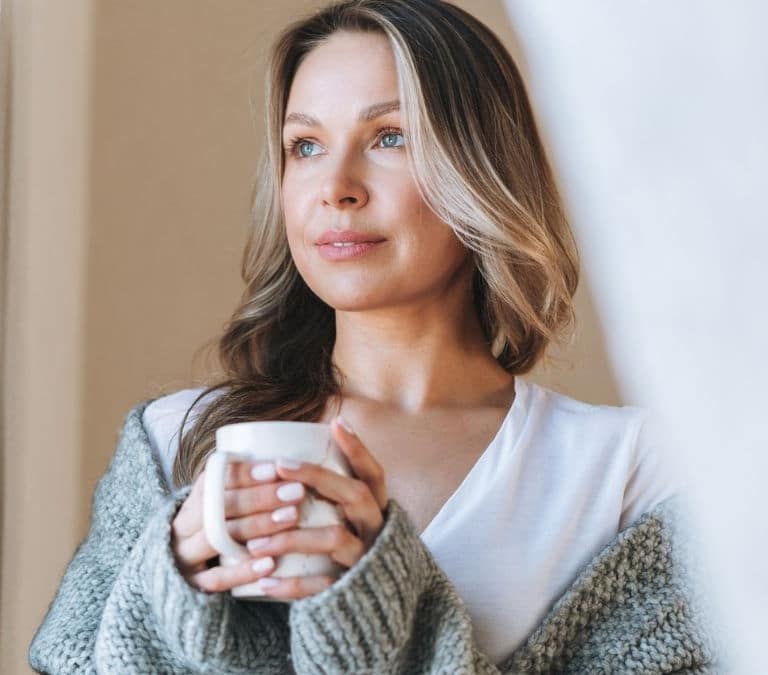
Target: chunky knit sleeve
(634,608)
(642,605)
(123,607)
(392,612)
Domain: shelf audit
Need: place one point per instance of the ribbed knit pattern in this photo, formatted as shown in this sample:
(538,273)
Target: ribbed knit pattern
(123,607)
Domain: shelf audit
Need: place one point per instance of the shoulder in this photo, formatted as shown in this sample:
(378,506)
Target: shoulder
(616,439)
(622,447)
(577,419)
(169,410)
(170,405)
(162,418)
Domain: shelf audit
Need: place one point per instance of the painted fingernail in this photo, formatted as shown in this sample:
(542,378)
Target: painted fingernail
(290,491)
(263,564)
(346,425)
(288,464)
(267,582)
(255,544)
(284,514)
(264,471)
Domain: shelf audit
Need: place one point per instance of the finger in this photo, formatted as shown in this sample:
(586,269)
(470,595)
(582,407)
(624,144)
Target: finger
(247,473)
(294,587)
(334,540)
(360,459)
(189,518)
(195,548)
(221,578)
(245,501)
(352,495)
(263,524)
(238,475)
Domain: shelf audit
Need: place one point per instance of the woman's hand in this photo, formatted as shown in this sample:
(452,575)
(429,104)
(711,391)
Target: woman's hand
(252,507)
(362,497)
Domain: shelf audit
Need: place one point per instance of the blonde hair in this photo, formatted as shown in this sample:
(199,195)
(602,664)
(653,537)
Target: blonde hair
(478,161)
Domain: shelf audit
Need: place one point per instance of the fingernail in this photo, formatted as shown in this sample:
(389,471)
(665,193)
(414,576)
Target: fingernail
(255,544)
(267,582)
(265,471)
(288,464)
(284,514)
(346,425)
(263,564)
(290,491)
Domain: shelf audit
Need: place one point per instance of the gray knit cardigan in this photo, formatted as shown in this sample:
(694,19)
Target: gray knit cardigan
(123,607)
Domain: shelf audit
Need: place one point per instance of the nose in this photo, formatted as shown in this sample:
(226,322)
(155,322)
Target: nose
(342,188)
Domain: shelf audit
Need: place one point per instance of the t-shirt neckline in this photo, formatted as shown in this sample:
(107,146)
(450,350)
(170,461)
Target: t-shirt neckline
(520,400)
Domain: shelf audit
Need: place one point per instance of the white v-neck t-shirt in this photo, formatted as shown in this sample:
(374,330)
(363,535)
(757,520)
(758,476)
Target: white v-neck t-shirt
(556,484)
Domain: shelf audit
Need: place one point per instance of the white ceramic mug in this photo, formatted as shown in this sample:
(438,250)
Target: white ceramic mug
(265,442)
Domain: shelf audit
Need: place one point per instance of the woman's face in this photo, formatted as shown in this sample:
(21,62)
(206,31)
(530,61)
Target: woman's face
(348,171)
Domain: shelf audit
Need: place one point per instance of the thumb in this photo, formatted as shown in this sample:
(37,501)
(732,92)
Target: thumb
(362,462)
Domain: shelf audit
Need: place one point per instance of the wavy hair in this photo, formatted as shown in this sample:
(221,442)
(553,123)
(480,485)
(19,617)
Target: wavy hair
(478,162)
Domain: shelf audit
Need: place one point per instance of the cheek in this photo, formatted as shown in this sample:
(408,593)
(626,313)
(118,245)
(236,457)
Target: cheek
(288,203)
(431,241)
(408,202)
(294,216)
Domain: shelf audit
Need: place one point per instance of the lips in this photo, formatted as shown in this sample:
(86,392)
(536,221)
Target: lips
(347,237)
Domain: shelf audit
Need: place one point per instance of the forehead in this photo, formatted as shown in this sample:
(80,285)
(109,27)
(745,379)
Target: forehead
(346,72)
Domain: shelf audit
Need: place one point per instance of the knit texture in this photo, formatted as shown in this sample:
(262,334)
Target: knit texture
(123,606)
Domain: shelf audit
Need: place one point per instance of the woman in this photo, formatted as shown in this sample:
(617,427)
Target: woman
(488,520)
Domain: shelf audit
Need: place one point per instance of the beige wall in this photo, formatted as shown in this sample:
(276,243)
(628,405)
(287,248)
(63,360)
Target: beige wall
(132,147)
(46,221)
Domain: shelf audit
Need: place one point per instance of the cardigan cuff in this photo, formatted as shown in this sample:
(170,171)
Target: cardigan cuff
(193,623)
(195,630)
(363,621)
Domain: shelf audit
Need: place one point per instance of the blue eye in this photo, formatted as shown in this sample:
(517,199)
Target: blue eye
(390,135)
(300,144)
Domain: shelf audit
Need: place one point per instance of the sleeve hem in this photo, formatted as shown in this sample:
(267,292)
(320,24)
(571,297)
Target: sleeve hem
(366,617)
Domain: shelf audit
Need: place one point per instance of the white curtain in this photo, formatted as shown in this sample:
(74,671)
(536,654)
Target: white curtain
(655,113)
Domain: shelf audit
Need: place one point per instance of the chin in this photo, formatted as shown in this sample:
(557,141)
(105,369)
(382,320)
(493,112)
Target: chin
(351,302)
(347,293)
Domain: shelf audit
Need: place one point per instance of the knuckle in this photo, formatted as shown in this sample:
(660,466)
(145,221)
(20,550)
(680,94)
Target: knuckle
(258,498)
(357,452)
(183,525)
(377,472)
(241,528)
(255,525)
(359,491)
(246,527)
(293,586)
(210,581)
(353,447)
(239,501)
(321,583)
(338,535)
(278,542)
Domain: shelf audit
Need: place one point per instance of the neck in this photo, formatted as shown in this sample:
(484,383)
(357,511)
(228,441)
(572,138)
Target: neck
(417,358)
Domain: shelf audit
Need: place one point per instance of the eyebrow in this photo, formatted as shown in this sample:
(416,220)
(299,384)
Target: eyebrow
(366,114)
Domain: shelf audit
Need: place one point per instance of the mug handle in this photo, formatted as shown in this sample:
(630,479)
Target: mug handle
(213,508)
